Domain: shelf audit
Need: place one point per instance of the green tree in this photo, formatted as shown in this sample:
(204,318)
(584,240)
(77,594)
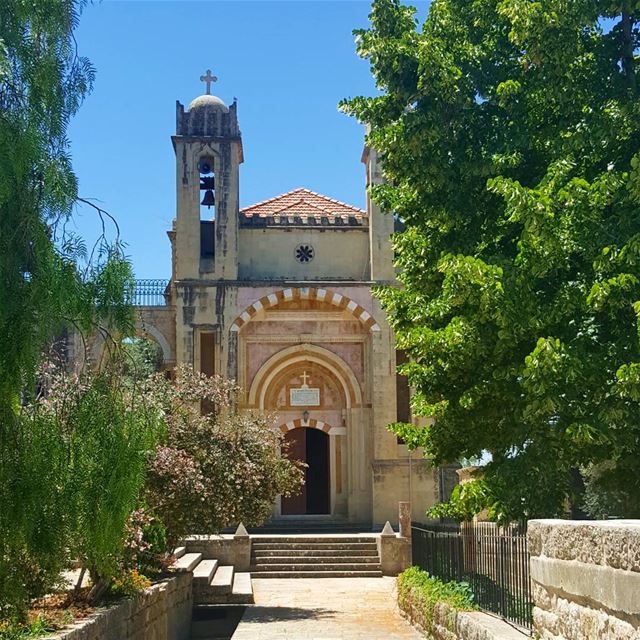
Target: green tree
(49,279)
(142,358)
(509,132)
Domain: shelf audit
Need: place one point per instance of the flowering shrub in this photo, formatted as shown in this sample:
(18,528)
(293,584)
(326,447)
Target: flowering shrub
(214,469)
(129,583)
(145,547)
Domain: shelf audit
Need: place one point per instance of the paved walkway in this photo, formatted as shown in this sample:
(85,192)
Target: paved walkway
(324,608)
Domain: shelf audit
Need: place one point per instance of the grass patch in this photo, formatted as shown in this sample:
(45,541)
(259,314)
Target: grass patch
(419,593)
(40,626)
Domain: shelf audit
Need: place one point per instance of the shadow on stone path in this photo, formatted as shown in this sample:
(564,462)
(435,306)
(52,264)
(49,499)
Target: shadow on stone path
(262,614)
(324,609)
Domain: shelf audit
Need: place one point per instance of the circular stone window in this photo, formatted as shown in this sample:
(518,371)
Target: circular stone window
(304,253)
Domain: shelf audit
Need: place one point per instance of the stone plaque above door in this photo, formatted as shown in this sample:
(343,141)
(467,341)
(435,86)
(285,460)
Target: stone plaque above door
(304,397)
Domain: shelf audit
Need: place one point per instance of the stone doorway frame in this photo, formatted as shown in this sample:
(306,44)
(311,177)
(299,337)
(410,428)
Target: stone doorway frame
(337,451)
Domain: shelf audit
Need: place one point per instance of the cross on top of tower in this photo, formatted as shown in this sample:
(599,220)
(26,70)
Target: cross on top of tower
(208,79)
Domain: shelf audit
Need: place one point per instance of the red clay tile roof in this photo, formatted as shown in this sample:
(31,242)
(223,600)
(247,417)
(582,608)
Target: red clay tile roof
(302,207)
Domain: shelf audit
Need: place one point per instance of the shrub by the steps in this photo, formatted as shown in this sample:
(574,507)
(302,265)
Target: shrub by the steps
(419,594)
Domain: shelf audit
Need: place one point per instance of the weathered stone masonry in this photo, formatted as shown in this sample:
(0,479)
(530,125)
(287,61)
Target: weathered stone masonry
(586,579)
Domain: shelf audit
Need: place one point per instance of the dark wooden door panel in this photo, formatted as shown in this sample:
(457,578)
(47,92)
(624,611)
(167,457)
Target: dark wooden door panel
(297,441)
(318,471)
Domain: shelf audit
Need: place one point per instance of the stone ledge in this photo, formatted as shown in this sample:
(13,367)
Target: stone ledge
(613,589)
(161,612)
(451,624)
(612,543)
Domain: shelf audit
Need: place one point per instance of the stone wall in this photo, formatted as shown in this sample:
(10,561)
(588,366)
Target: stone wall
(586,579)
(161,612)
(449,624)
(226,549)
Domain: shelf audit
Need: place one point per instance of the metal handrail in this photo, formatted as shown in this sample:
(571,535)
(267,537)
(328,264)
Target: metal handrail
(150,293)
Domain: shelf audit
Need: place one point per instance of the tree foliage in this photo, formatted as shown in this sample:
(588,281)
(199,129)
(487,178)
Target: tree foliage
(509,132)
(50,280)
(76,469)
(48,277)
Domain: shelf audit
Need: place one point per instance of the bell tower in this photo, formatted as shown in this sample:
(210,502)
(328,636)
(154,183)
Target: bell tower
(208,148)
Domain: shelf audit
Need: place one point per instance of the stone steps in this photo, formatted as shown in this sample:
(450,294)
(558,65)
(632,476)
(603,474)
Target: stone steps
(214,583)
(203,573)
(320,539)
(316,574)
(187,562)
(222,582)
(316,560)
(337,566)
(323,556)
(315,553)
(225,586)
(314,546)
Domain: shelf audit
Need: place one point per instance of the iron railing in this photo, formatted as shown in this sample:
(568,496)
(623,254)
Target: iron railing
(150,293)
(493,560)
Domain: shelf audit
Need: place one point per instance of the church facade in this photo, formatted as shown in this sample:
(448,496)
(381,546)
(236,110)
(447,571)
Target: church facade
(278,296)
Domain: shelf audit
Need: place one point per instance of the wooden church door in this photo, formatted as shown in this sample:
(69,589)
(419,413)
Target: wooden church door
(312,447)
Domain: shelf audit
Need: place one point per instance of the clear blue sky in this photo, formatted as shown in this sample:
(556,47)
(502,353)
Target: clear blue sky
(288,63)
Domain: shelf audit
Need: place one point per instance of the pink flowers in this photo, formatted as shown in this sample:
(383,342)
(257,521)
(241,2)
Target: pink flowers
(214,469)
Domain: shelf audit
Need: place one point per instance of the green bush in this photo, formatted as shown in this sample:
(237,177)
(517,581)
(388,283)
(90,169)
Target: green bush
(71,475)
(419,593)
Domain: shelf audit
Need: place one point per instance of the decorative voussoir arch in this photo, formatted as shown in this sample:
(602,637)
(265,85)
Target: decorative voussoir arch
(306,293)
(311,423)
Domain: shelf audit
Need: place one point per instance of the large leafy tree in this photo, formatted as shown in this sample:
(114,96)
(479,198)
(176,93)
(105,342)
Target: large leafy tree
(509,132)
(48,277)
(49,280)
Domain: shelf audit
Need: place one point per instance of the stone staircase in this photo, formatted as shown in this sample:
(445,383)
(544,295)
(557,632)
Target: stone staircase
(214,583)
(319,556)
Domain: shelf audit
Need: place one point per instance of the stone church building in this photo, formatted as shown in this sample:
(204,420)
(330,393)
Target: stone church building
(277,295)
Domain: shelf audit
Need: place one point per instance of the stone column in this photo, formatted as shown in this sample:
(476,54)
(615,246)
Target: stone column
(404,518)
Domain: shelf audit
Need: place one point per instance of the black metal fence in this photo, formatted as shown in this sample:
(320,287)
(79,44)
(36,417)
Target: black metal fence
(150,293)
(493,560)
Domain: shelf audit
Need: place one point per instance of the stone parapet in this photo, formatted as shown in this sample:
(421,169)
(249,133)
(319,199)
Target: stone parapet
(448,623)
(394,552)
(161,612)
(586,579)
(228,549)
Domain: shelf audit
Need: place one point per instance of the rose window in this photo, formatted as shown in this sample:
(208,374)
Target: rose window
(304,253)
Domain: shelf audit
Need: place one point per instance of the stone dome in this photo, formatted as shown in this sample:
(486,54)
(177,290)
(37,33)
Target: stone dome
(208,101)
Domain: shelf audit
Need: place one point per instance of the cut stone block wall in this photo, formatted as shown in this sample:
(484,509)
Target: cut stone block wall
(586,579)
(395,553)
(449,624)
(161,612)
(227,549)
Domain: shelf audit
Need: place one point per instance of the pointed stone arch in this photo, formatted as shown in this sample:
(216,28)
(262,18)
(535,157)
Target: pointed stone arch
(307,293)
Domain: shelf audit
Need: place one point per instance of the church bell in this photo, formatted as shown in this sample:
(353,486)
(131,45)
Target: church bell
(209,199)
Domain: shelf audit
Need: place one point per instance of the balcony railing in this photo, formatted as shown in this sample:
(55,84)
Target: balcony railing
(150,293)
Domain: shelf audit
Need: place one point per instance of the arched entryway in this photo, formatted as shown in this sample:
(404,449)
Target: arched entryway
(311,389)
(310,446)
